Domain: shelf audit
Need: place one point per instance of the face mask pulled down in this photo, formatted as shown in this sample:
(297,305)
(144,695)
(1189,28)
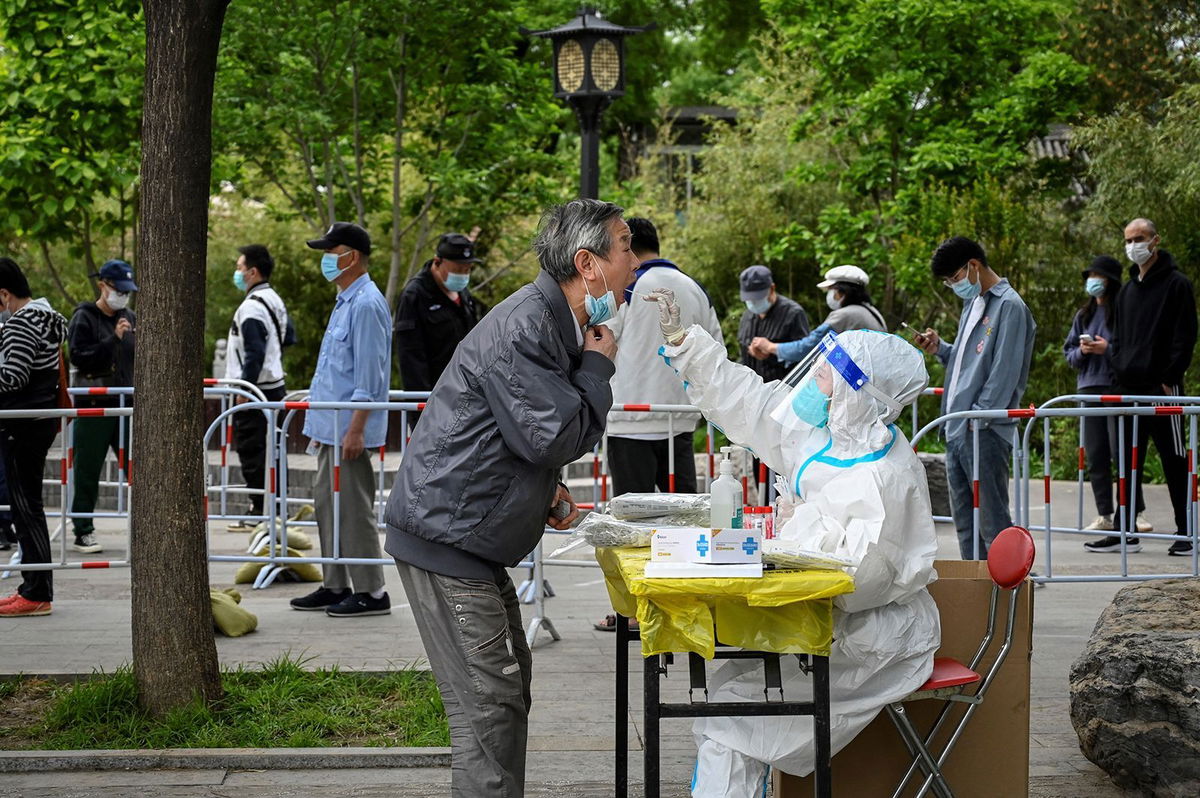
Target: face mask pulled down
(602,309)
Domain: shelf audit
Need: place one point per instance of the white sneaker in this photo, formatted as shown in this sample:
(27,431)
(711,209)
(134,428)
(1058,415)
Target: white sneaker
(1143,525)
(1103,523)
(87,544)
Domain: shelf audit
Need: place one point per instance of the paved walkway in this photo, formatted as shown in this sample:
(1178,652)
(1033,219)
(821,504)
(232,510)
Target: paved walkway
(571,731)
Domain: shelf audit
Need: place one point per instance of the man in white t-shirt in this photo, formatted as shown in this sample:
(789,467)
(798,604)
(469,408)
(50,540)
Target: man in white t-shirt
(638,447)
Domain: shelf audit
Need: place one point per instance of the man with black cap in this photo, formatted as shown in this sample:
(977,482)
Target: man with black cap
(353,366)
(101,340)
(768,315)
(436,311)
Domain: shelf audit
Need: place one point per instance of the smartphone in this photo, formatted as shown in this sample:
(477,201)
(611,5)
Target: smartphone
(1085,339)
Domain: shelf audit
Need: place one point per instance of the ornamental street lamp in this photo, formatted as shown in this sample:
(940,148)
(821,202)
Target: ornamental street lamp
(589,72)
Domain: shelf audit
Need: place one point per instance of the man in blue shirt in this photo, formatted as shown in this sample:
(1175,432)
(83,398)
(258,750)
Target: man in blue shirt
(987,368)
(353,367)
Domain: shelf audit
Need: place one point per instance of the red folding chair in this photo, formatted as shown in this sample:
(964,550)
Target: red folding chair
(1010,556)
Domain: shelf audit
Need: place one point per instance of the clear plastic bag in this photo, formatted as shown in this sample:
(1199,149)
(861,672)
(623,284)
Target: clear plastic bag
(790,554)
(684,509)
(602,530)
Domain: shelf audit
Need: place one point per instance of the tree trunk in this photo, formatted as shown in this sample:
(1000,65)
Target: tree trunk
(400,86)
(174,655)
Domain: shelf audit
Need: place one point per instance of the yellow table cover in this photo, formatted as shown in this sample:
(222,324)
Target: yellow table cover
(785,611)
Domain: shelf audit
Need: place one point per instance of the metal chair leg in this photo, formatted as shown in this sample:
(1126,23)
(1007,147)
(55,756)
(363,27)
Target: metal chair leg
(921,755)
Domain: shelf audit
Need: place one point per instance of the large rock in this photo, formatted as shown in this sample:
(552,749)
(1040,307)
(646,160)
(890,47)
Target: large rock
(1135,689)
(935,475)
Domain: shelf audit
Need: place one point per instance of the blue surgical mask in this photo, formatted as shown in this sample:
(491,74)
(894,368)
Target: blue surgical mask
(457,282)
(966,289)
(329,265)
(602,309)
(239,279)
(759,306)
(1095,286)
(811,405)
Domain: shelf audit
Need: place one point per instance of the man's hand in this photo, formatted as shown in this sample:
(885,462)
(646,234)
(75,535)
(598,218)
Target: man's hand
(352,444)
(668,315)
(600,339)
(762,348)
(928,341)
(563,495)
(123,326)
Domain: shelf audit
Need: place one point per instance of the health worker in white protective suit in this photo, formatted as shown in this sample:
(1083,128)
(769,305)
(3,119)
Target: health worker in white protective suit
(854,488)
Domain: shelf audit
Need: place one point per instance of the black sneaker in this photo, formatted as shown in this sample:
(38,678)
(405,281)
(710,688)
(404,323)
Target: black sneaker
(1180,548)
(360,604)
(319,599)
(1112,543)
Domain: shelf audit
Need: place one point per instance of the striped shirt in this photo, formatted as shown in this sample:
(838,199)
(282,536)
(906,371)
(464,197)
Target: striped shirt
(30,344)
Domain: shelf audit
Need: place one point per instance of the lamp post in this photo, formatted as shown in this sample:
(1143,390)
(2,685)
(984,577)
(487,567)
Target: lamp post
(589,73)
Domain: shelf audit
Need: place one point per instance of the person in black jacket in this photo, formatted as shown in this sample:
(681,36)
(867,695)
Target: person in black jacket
(30,364)
(768,315)
(436,311)
(1150,349)
(101,341)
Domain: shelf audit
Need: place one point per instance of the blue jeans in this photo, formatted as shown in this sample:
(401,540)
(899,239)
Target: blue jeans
(995,452)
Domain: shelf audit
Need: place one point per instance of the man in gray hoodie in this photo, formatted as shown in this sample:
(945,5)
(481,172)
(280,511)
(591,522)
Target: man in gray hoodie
(525,393)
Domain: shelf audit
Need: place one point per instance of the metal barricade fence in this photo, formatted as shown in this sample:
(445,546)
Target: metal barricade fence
(1021,478)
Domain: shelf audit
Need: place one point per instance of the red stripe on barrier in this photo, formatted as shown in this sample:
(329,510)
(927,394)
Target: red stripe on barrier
(420,405)
(94,564)
(1022,412)
(1168,410)
(938,391)
(229,433)
(1110,397)
(1134,458)
(1121,491)
(337,478)
(604,487)
(121,458)
(206,506)
(210,381)
(1082,464)
(636,408)
(274,484)
(762,472)
(71,457)
(1195,495)
(295,405)
(975,494)
(586,506)
(1047,481)
(98,391)
(63,478)
(670,483)
(223,457)
(595,467)
(84,412)
(382,452)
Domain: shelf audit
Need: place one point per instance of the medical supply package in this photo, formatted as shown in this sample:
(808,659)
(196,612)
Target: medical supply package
(682,508)
(729,547)
(790,554)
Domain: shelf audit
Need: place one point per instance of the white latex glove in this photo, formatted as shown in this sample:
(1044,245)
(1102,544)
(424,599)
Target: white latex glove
(668,315)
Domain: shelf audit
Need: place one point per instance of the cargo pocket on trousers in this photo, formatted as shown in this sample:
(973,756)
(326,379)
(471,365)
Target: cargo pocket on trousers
(482,623)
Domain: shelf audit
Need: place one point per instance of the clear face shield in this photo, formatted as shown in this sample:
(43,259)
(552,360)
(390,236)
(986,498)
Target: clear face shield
(803,395)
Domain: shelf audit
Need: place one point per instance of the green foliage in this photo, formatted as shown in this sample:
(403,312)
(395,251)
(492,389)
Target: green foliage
(282,705)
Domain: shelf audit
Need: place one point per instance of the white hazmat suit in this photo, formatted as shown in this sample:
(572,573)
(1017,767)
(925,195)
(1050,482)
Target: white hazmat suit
(856,489)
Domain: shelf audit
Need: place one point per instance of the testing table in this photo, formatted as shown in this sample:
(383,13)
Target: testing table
(783,612)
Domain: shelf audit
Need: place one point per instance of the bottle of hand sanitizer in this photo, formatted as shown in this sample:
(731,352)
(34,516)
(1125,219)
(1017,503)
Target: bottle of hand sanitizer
(726,496)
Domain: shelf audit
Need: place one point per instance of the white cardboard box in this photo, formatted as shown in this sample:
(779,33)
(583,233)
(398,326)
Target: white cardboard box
(675,544)
(728,547)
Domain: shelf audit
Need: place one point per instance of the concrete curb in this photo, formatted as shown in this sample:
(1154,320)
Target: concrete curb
(224,759)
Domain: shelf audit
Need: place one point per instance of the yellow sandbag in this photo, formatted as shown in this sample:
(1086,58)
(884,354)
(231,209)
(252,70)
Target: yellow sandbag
(304,571)
(305,513)
(229,617)
(298,539)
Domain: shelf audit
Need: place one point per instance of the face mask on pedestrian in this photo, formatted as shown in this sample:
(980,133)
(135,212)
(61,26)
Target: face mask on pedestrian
(457,282)
(329,265)
(1138,251)
(759,306)
(964,288)
(602,309)
(831,299)
(239,279)
(117,300)
(1094,286)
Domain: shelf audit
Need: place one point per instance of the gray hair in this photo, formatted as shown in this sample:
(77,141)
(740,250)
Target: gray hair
(565,229)
(1145,224)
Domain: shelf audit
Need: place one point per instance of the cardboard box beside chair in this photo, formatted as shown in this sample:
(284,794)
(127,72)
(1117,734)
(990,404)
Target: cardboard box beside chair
(991,758)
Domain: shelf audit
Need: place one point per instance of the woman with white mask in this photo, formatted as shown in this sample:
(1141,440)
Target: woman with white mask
(851,486)
(849,306)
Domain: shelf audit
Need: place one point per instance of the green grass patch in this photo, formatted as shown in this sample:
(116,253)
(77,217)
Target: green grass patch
(280,706)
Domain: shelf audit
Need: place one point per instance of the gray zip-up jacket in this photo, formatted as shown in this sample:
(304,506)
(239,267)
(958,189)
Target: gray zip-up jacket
(517,402)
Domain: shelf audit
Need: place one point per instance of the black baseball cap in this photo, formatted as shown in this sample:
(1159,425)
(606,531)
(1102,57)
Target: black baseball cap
(756,283)
(119,274)
(456,247)
(343,233)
